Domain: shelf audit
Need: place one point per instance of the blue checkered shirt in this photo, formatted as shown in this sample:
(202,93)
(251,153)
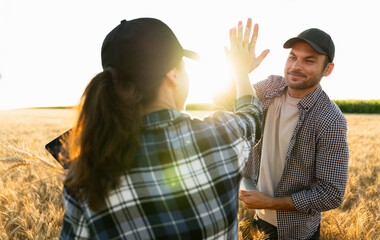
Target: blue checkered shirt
(315,171)
(183,184)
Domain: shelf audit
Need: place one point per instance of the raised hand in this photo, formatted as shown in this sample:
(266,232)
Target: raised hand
(242,49)
(243,60)
(242,57)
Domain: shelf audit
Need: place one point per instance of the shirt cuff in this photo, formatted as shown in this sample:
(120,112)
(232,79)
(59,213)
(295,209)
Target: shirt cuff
(245,100)
(302,203)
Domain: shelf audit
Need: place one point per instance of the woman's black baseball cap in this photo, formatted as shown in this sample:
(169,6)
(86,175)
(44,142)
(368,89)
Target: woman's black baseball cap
(143,47)
(317,39)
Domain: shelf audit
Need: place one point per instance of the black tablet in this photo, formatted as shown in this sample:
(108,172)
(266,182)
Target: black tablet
(57,150)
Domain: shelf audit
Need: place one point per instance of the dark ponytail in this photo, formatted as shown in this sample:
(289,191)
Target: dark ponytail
(106,136)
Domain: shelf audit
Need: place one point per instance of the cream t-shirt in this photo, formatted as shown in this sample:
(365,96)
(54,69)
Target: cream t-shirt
(281,120)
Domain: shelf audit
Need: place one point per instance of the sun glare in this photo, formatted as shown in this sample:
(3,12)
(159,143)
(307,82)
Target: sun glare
(208,77)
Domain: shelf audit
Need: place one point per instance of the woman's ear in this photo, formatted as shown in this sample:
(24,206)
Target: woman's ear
(172,76)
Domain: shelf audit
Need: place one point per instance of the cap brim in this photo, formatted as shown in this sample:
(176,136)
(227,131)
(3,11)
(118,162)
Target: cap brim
(191,54)
(290,43)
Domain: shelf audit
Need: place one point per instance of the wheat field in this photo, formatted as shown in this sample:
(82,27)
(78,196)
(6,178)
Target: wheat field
(31,204)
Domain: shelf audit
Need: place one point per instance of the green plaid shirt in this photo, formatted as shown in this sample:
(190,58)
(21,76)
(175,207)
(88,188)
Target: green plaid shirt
(183,184)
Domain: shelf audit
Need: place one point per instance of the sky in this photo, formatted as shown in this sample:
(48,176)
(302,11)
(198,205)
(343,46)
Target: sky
(50,50)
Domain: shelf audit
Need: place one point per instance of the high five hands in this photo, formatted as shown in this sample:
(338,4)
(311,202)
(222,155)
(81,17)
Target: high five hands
(243,60)
(242,49)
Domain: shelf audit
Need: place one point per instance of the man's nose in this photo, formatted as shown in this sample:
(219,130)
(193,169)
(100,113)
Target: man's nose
(297,65)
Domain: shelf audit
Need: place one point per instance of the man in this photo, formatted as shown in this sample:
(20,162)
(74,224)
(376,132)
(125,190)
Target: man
(142,169)
(300,164)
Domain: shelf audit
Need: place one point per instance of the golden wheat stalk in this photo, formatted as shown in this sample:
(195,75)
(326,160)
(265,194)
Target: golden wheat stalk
(12,159)
(35,182)
(27,160)
(28,163)
(17,165)
(30,155)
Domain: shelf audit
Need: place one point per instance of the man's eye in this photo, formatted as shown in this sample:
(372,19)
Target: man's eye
(292,58)
(309,61)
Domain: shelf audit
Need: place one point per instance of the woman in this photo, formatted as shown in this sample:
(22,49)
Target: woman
(141,169)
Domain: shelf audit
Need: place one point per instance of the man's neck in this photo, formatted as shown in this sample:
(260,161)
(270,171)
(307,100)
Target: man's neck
(301,93)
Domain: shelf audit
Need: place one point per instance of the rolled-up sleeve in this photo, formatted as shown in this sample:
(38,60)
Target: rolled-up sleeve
(331,172)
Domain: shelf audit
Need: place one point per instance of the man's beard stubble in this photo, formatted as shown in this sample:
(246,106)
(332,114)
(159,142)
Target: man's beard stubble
(306,83)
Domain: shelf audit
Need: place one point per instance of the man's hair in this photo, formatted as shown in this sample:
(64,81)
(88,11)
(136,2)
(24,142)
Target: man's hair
(327,61)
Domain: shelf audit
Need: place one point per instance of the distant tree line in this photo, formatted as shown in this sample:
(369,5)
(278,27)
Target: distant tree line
(347,106)
(359,106)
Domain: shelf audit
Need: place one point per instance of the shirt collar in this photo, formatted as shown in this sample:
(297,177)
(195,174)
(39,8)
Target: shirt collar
(307,102)
(277,91)
(163,118)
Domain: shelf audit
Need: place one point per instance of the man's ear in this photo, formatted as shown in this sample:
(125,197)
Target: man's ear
(172,76)
(328,69)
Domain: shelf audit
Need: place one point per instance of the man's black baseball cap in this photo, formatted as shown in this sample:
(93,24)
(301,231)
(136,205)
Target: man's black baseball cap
(317,39)
(143,47)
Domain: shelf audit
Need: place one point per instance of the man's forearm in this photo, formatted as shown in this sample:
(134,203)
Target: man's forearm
(282,203)
(257,200)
